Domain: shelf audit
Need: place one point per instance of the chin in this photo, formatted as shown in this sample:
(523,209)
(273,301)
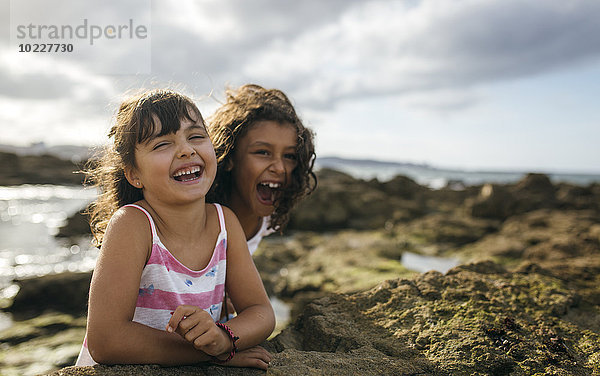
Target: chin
(264,210)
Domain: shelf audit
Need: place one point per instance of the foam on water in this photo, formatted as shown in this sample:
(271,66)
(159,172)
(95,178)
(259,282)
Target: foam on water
(422,263)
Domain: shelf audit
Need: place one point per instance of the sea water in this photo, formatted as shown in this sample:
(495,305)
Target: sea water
(30,216)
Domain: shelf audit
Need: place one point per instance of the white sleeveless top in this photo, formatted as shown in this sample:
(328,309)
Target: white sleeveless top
(262,232)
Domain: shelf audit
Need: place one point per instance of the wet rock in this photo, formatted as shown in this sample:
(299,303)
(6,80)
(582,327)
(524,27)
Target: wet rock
(402,186)
(452,230)
(487,320)
(533,192)
(484,320)
(539,184)
(305,266)
(41,344)
(539,235)
(342,202)
(76,226)
(43,169)
(493,201)
(155,370)
(65,292)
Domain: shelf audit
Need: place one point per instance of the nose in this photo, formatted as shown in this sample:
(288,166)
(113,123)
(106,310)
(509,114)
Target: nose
(185,150)
(277,166)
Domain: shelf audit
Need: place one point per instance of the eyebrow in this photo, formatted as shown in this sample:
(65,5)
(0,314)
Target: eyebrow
(196,126)
(191,128)
(264,143)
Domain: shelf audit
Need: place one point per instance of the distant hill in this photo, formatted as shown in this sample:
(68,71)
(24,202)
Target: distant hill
(436,177)
(38,169)
(72,153)
(332,161)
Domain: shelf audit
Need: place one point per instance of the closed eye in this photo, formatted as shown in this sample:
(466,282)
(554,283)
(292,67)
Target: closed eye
(159,145)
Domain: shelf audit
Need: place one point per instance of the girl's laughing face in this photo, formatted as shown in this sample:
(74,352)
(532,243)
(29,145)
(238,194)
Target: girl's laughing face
(175,167)
(262,166)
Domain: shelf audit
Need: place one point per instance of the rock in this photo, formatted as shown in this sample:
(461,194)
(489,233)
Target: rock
(537,184)
(454,230)
(155,370)
(494,201)
(402,186)
(534,191)
(65,292)
(539,236)
(477,319)
(76,226)
(342,202)
(310,265)
(576,197)
(43,169)
(42,344)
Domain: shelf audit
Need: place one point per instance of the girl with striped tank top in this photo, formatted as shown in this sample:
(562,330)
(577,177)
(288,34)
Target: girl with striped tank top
(167,257)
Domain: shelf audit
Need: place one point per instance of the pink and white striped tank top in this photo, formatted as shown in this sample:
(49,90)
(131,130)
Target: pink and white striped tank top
(166,284)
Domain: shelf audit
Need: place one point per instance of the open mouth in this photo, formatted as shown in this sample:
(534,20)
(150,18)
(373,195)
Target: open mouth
(188,174)
(268,192)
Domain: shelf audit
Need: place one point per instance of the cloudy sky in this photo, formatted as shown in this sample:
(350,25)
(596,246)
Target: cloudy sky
(475,84)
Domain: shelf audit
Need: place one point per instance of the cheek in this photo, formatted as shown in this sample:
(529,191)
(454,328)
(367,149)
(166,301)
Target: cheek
(288,175)
(247,169)
(241,179)
(290,166)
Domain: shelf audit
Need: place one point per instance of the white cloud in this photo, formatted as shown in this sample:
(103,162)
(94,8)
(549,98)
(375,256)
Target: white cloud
(383,47)
(54,122)
(325,52)
(428,56)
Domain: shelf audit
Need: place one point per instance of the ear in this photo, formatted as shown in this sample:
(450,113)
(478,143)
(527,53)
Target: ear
(133,178)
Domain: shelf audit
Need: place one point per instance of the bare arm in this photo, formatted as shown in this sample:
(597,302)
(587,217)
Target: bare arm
(112,335)
(255,320)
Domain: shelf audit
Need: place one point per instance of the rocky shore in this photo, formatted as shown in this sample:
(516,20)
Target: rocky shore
(38,169)
(525,301)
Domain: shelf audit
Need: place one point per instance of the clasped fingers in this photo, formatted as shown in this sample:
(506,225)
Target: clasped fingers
(197,327)
(186,317)
(213,342)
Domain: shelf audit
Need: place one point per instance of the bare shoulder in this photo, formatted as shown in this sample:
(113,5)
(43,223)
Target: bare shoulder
(231,220)
(236,239)
(128,228)
(128,219)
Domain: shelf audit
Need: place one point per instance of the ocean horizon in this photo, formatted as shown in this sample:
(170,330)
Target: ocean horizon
(437,177)
(433,176)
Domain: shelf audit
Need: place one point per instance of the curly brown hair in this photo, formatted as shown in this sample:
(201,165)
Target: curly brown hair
(245,107)
(140,118)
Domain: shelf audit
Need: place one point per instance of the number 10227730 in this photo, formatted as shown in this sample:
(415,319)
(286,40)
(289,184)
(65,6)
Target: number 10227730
(45,47)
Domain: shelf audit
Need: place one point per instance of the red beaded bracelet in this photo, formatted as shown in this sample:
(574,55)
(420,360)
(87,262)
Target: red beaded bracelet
(233,338)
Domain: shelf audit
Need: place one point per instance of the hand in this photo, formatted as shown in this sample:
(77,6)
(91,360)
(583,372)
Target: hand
(255,357)
(198,328)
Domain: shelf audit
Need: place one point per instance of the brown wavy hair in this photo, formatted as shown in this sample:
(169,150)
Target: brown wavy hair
(140,118)
(243,108)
